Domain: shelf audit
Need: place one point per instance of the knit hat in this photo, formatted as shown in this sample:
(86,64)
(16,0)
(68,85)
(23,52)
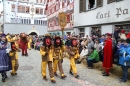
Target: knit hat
(3,35)
(123,31)
(108,34)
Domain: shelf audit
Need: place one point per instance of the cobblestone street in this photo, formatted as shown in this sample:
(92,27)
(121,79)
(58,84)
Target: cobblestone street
(29,74)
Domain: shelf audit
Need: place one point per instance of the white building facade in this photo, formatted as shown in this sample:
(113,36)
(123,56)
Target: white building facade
(29,13)
(100,15)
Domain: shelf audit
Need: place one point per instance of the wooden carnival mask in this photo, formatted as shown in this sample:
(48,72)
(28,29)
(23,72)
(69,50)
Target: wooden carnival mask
(58,41)
(74,42)
(48,41)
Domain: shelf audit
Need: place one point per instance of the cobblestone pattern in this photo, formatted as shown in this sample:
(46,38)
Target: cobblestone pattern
(33,77)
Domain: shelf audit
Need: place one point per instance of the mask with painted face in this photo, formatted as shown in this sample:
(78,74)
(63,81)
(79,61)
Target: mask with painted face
(74,43)
(48,41)
(58,41)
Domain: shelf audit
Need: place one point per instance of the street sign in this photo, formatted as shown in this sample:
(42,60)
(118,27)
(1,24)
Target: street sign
(62,18)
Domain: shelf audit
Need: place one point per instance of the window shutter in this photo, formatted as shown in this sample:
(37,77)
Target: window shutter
(68,18)
(99,3)
(55,8)
(63,5)
(82,5)
(110,1)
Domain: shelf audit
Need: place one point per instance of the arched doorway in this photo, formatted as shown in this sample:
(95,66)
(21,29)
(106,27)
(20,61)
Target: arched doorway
(33,33)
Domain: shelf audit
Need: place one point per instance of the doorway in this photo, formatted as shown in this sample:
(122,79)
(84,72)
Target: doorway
(33,33)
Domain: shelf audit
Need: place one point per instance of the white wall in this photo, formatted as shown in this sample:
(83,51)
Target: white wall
(107,29)
(19,28)
(93,17)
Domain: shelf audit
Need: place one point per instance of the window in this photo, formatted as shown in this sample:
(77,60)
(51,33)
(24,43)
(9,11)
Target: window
(39,11)
(89,4)
(82,5)
(110,1)
(68,18)
(37,1)
(23,9)
(13,8)
(27,9)
(19,9)
(99,3)
(40,1)
(45,12)
(57,22)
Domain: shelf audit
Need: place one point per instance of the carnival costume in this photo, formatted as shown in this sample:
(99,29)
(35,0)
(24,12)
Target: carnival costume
(47,57)
(73,54)
(14,58)
(57,60)
(24,44)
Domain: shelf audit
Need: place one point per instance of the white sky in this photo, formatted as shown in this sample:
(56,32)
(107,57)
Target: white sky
(1,6)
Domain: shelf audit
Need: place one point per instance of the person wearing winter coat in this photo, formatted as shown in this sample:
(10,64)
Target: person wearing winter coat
(83,55)
(93,58)
(124,60)
(123,36)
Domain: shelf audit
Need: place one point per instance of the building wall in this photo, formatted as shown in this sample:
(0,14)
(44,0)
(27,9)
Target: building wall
(54,8)
(19,28)
(9,14)
(104,17)
(105,14)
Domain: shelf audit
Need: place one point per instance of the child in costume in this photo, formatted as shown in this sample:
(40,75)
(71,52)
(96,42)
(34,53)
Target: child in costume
(73,54)
(14,58)
(47,57)
(57,60)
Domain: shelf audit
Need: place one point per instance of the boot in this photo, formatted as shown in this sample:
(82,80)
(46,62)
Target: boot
(55,74)
(77,76)
(26,54)
(71,72)
(62,77)
(13,74)
(3,77)
(53,81)
(45,78)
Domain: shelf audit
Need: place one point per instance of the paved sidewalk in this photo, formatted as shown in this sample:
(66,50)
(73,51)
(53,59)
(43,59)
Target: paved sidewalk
(29,74)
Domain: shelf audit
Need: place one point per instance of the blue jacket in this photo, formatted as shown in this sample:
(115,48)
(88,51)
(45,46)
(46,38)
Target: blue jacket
(124,58)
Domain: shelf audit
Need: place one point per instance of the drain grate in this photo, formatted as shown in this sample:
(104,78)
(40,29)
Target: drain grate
(26,67)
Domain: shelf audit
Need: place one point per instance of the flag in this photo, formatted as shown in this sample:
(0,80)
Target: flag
(46,8)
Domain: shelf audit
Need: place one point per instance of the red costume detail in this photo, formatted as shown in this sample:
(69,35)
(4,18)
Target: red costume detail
(23,44)
(48,41)
(107,60)
(74,43)
(58,41)
(128,35)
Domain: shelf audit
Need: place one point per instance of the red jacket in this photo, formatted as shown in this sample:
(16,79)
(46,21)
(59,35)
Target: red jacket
(128,35)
